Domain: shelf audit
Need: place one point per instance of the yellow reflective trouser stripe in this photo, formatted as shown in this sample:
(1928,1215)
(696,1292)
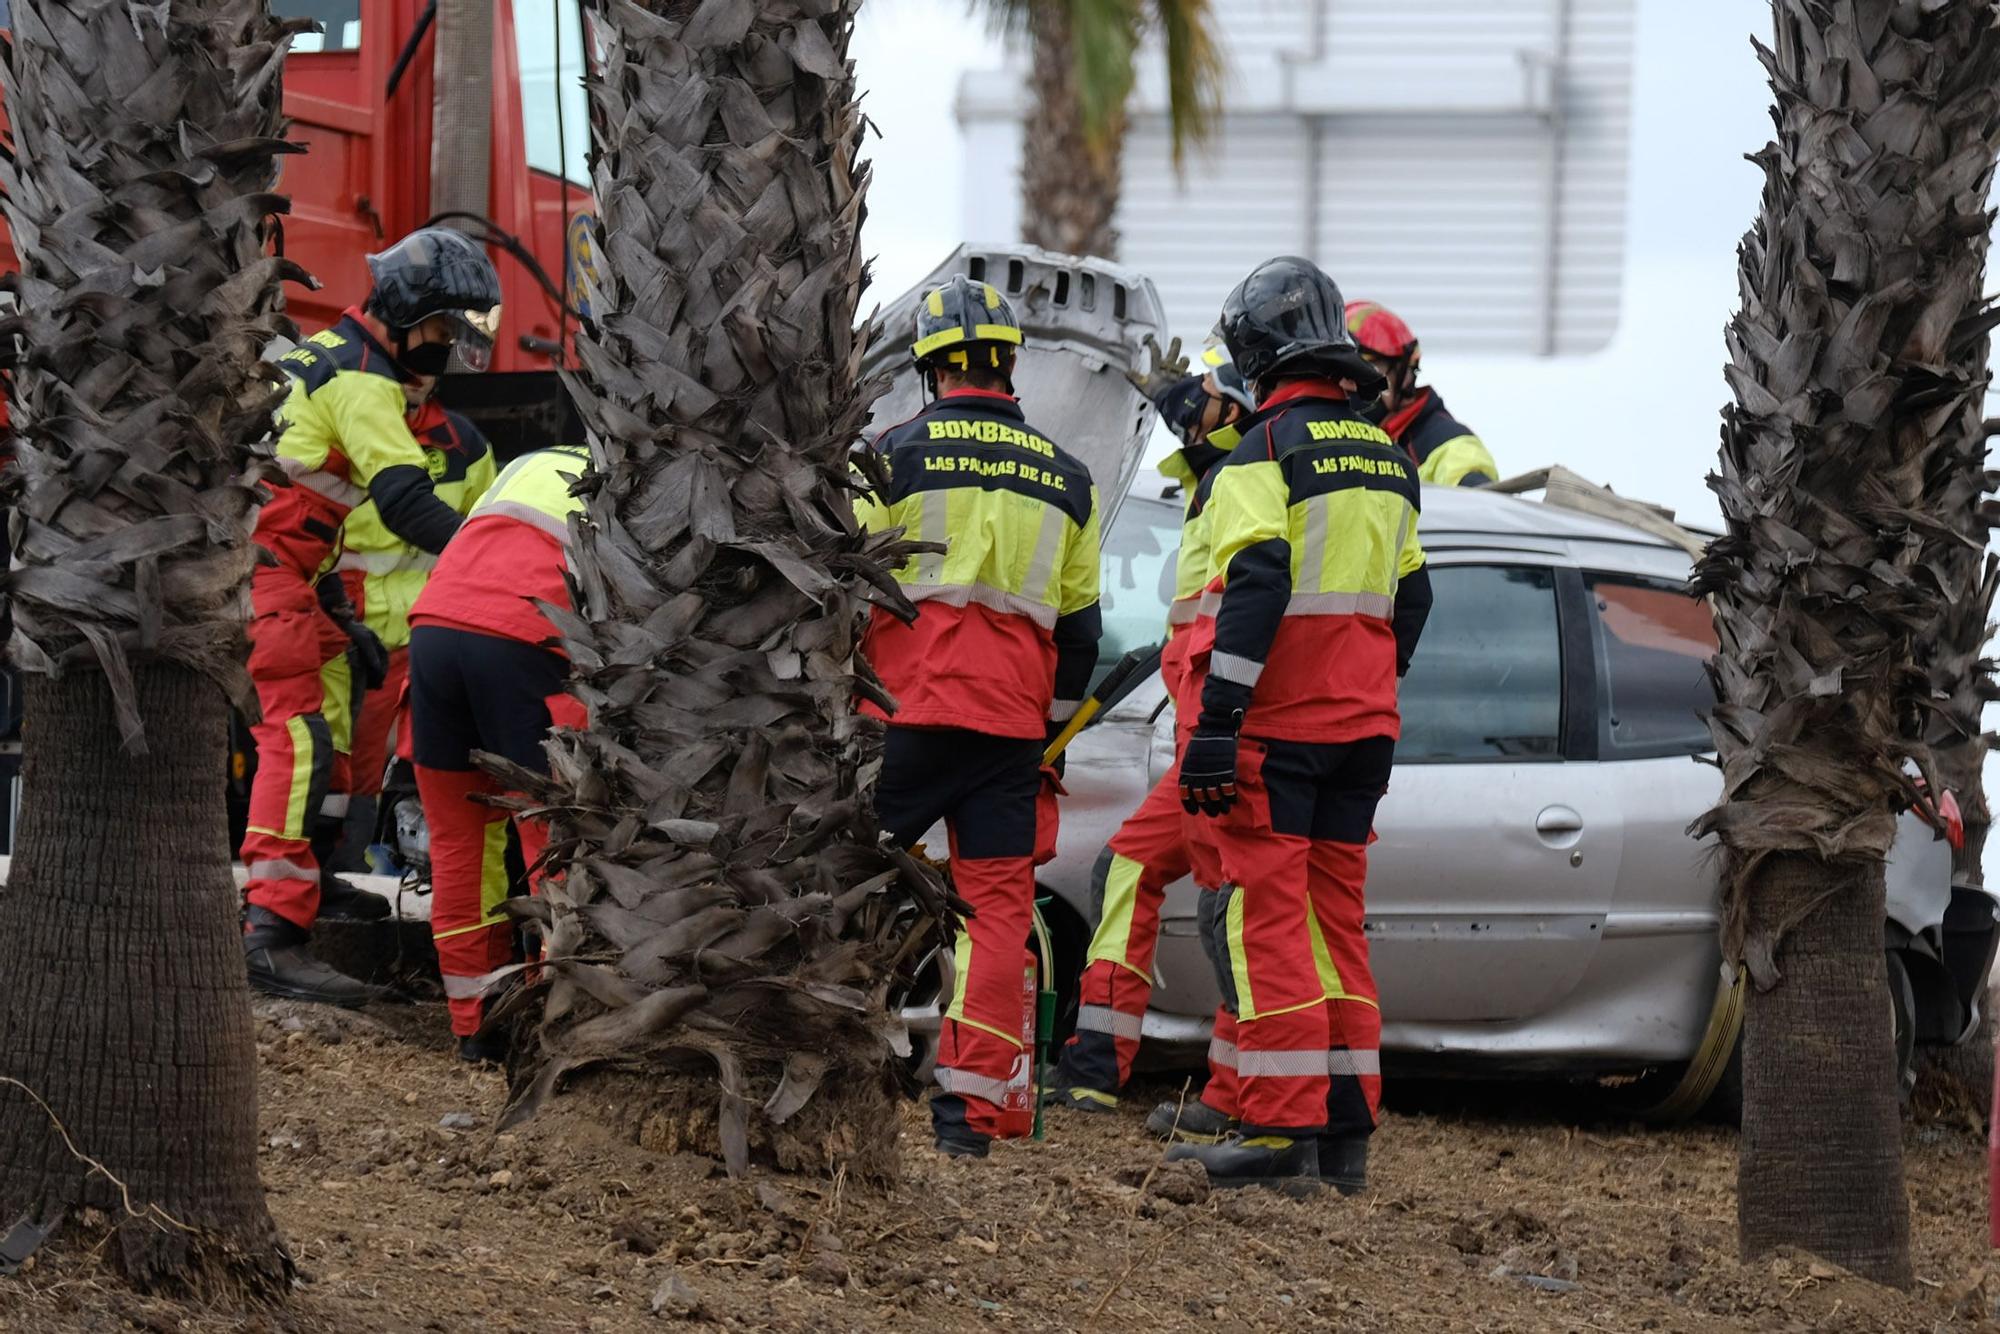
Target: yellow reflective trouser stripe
(1329,973)
(1239,958)
(492,883)
(493,871)
(961,963)
(302,773)
(1113,938)
(1239,963)
(336,681)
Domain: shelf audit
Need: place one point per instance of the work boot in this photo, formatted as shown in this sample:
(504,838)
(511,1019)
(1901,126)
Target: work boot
(961,1142)
(275,952)
(341,898)
(483,1048)
(1080,1099)
(1271,1160)
(1190,1122)
(1343,1162)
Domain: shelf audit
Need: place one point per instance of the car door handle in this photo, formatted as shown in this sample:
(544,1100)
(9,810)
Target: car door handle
(1558,820)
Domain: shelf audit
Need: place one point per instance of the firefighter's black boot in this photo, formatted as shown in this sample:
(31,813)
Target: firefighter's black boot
(1080,1099)
(1191,1122)
(1265,1159)
(275,952)
(341,898)
(483,1048)
(1343,1162)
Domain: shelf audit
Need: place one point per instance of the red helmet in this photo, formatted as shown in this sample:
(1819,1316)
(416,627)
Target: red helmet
(1380,331)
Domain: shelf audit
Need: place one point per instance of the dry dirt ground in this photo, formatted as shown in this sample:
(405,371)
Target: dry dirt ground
(1516,1210)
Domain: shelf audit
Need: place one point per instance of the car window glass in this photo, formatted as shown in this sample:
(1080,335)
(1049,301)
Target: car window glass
(1486,682)
(1136,581)
(339,22)
(1652,642)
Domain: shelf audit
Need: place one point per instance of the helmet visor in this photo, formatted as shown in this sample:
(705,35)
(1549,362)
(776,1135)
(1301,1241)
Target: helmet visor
(476,330)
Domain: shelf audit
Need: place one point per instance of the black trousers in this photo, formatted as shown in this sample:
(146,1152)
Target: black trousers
(472,692)
(985,786)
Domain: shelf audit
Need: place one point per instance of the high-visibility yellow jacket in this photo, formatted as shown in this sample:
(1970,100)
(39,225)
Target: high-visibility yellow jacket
(384,574)
(345,440)
(1446,452)
(1316,591)
(511,554)
(1007,625)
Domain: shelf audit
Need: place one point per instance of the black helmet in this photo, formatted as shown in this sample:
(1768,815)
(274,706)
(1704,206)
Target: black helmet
(961,320)
(1288,316)
(438,271)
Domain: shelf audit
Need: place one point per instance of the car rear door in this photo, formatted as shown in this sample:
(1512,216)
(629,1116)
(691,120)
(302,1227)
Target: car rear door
(1497,857)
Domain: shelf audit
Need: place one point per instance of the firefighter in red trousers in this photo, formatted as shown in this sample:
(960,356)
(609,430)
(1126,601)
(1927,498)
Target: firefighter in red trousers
(1446,451)
(486,674)
(1206,410)
(1318,594)
(345,440)
(382,576)
(998,657)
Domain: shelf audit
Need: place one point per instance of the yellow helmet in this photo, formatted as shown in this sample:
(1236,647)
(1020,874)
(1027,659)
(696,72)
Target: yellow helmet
(964,323)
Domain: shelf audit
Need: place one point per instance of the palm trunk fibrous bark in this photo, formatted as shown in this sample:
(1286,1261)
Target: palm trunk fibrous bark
(138,192)
(1847,510)
(725,911)
(1070,178)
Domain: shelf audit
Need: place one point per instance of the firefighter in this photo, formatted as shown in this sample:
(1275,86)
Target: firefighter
(345,440)
(1206,410)
(487,673)
(1318,594)
(1414,415)
(997,659)
(382,576)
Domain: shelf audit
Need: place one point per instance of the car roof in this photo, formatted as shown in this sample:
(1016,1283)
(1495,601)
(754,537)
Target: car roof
(1472,511)
(1465,512)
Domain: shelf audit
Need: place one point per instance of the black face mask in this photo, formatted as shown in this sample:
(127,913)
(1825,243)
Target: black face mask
(424,358)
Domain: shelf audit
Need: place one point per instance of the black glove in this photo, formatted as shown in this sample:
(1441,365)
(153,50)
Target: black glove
(365,649)
(1208,772)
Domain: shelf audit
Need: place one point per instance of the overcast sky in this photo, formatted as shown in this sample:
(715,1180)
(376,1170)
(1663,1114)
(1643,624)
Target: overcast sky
(1641,415)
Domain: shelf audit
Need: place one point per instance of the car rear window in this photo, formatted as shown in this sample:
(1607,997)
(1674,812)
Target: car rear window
(1652,642)
(1486,683)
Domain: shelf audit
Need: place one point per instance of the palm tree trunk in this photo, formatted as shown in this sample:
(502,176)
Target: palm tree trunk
(126,1007)
(1069,186)
(144,143)
(1845,507)
(1831,1184)
(727,916)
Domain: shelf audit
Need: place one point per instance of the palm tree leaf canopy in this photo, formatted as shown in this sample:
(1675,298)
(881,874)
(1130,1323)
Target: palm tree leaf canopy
(1105,37)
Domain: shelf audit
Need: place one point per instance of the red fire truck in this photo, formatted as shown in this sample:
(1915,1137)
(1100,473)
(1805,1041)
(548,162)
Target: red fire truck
(413,109)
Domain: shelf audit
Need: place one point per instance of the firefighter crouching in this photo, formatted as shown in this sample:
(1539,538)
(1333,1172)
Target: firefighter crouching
(486,674)
(1206,409)
(1316,597)
(998,657)
(345,440)
(1445,450)
(382,576)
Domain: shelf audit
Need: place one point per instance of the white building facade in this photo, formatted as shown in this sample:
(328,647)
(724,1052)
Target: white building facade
(1466,162)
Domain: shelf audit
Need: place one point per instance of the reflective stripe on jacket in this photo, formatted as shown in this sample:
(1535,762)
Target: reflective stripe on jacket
(1446,452)
(342,423)
(384,573)
(1312,529)
(511,552)
(1007,626)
